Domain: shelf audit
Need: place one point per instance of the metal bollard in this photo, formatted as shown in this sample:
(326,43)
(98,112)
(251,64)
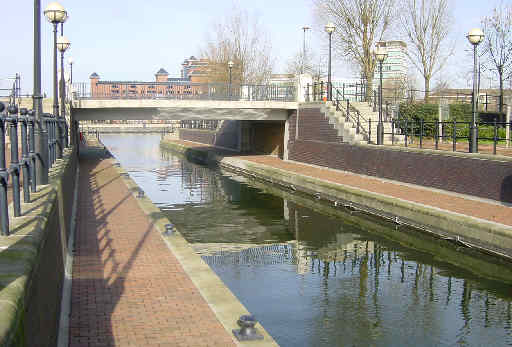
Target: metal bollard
(369,131)
(436,134)
(31,149)
(53,138)
(25,160)
(4,177)
(66,135)
(15,166)
(421,132)
(58,137)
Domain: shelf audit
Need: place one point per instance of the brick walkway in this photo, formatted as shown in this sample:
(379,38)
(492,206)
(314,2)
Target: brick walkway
(494,212)
(128,288)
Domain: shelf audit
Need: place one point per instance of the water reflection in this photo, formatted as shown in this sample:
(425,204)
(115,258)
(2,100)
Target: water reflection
(330,278)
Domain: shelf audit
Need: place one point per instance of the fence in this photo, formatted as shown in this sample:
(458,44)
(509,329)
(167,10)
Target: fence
(10,117)
(184,91)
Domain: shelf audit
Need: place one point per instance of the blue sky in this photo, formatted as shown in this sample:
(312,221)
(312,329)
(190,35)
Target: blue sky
(131,40)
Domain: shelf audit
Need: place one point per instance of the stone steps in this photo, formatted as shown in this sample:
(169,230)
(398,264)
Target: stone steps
(347,129)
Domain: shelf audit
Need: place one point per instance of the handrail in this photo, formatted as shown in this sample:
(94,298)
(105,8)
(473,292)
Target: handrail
(348,114)
(14,120)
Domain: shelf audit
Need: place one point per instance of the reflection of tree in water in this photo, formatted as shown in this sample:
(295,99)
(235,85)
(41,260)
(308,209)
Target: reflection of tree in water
(373,292)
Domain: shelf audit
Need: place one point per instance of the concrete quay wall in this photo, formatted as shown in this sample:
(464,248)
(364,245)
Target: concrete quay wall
(32,261)
(487,236)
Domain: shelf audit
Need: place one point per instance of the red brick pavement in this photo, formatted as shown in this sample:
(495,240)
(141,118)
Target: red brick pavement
(128,288)
(494,212)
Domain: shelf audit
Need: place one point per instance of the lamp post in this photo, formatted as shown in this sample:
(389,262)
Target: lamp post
(55,14)
(62,45)
(329,28)
(475,36)
(70,62)
(304,28)
(381,55)
(40,131)
(230,66)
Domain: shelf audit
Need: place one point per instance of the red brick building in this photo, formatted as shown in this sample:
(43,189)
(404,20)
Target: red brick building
(194,72)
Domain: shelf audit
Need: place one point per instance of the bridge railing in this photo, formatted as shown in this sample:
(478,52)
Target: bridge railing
(189,91)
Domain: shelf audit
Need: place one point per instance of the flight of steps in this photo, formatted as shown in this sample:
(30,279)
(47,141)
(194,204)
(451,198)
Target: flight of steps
(348,129)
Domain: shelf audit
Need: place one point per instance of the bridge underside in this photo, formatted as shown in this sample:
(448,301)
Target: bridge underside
(179,110)
(177,114)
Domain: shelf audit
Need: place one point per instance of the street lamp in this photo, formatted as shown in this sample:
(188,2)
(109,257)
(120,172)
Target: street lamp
(55,14)
(329,28)
(475,36)
(380,54)
(62,45)
(305,28)
(230,66)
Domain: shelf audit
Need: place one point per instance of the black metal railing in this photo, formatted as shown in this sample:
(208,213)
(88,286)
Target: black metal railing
(352,114)
(317,91)
(11,118)
(181,91)
(449,134)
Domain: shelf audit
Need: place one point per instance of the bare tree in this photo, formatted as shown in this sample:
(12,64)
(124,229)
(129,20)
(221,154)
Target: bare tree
(241,39)
(497,44)
(426,24)
(300,63)
(360,24)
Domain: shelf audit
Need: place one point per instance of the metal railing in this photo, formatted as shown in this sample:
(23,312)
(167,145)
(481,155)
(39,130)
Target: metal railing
(192,91)
(445,135)
(10,118)
(348,91)
(352,114)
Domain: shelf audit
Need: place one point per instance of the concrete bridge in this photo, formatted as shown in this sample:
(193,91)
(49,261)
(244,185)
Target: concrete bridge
(165,109)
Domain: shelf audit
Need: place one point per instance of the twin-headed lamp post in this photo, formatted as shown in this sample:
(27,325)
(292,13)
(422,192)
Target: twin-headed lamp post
(380,54)
(475,36)
(56,14)
(329,29)
(62,45)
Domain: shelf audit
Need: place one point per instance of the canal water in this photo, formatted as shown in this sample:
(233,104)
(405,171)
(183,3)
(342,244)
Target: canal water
(315,275)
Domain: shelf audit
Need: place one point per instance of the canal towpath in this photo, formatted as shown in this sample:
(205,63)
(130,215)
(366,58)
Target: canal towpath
(128,288)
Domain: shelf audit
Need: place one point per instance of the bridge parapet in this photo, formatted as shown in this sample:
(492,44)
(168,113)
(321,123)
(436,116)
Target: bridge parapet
(189,91)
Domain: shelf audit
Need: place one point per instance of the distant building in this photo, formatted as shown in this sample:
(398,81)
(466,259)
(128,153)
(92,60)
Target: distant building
(394,69)
(194,72)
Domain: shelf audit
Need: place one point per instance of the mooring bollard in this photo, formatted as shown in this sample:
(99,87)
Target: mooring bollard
(15,166)
(4,176)
(25,161)
(247,331)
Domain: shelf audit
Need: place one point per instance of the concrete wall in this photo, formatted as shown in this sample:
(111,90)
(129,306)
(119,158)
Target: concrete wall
(32,261)
(480,175)
(228,136)
(264,137)
(267,137)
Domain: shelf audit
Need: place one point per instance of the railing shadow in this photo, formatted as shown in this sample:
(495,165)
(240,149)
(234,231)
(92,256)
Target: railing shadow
(98,266)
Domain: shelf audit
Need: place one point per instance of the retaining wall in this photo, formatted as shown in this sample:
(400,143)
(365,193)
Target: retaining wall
(32,261)
(475,174)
